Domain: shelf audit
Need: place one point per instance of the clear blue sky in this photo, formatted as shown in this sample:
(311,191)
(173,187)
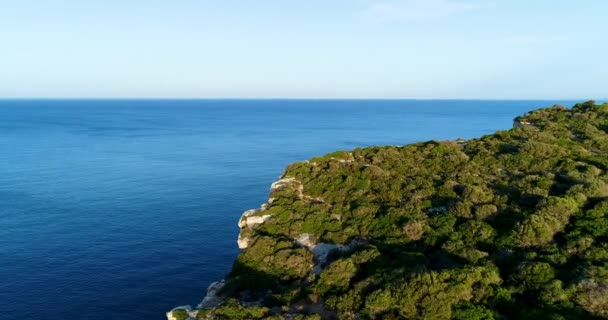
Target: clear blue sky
(514,49)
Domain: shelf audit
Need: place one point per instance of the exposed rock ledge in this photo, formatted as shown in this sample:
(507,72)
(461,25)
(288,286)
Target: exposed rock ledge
(188,309)
(211,300)
(255,217)
(248,220)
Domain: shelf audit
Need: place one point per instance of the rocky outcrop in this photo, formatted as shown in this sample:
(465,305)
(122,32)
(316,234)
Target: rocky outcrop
(249,219)
(282,183)
(243,241)
(518,123)
(255,217)
(213,297)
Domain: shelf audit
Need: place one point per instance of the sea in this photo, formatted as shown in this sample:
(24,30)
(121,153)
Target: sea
(124,209)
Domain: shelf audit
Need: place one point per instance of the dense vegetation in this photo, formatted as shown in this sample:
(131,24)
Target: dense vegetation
(512,225)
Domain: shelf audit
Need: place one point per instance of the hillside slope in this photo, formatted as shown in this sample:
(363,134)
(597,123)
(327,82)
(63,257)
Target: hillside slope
(512,225)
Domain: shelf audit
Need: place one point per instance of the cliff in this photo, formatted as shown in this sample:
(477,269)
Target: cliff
(510,225)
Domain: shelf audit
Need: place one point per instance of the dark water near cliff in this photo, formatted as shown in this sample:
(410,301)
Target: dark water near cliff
(124,209)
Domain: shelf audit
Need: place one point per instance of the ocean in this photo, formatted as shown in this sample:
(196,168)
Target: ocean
(124,209)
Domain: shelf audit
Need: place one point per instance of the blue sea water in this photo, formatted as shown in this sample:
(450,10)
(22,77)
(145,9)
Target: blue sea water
(123,209)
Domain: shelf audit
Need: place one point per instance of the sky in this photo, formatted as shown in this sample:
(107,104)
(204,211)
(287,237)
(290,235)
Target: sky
(441,49)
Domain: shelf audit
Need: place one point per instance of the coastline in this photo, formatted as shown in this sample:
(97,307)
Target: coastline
(421,218)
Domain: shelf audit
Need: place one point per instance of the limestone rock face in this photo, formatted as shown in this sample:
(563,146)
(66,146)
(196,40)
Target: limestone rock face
(254,217)
(246,214)
(280,184)
(253,221)
(249,219)
(244,242)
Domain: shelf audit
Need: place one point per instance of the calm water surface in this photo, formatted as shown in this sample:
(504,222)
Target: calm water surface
(123,209)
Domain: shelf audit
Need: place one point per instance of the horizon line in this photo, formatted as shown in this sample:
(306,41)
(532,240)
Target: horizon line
(299,98)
